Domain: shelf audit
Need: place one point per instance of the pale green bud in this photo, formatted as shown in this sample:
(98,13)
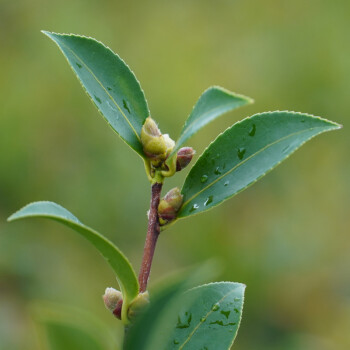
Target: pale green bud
(138,305)
(169,206)
(155,145)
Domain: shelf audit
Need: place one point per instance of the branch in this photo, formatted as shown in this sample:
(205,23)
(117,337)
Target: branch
(151,238)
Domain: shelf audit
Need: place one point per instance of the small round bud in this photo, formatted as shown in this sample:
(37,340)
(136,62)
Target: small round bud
(183,157)
(111,298)
(138,305)
(155,145)
(169,206)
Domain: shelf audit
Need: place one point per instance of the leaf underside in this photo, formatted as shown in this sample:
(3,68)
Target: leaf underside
(109,82)
(213,103)
(125,274)
(244,153)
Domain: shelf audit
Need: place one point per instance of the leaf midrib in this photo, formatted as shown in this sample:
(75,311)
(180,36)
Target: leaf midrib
(201,323)
(245,160)
(100,83)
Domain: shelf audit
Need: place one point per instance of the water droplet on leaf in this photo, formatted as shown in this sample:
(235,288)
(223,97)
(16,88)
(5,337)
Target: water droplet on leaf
(125,104)
(216,307)
(217,171)
(194,207)
(226,183)
(98,99)
(225,313)
(184,320)
(79,65)
(208,200)
(241,152)
(204,179)
(252,130)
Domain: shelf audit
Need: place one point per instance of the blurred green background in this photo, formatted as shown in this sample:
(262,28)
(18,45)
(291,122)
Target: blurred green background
(286,237)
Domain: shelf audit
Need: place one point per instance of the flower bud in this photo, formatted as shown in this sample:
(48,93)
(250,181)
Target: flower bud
(169,206)
(138,305)
(183,157)
(111,298)
(155,145)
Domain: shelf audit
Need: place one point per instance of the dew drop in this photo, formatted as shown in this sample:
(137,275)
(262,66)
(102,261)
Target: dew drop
(79,65)
(202,319)
(208,200)
(252,130)
(241,152)
(225,313)
(98,99)
(194,207)
(109,89)
(216,307)
(204,179)
(217,171)
(237,299)
(184,321)
(226,183)
(176,341)
(236,310)
(125,104)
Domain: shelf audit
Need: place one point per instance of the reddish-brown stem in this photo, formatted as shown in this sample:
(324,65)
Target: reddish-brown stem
(151,238)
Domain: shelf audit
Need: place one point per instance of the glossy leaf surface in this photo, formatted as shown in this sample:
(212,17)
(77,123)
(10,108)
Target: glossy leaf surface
(125,274)
(213,103)
(244,153)
(153,329)
(109,82)
(212,319)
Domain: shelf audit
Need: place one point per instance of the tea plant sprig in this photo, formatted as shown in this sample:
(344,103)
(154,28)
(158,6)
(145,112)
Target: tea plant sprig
(233,161)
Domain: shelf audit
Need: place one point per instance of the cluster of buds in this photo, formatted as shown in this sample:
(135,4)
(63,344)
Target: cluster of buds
(113,301)
(157,147)
(169,206)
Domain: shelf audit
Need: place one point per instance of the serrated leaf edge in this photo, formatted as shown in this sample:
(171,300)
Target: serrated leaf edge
(47,33)
(335,126)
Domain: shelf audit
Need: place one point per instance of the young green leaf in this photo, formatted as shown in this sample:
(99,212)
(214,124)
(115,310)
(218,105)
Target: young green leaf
(110,83)
(125,274)
(213,103)
(244,153)
(212,319)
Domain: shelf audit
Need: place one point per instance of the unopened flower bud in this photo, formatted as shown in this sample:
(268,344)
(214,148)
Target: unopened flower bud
(138,305)
(169,206)
(155,145)
(111,298)
(183,157)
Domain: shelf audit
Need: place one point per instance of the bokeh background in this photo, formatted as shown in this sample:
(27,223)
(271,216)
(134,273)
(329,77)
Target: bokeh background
(286,237)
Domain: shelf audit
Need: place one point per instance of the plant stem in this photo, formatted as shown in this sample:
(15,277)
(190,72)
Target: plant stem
(151,238)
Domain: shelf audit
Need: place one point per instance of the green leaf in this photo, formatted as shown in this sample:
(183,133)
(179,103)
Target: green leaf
(109,82)
(125,274)
(212,320)
(213,103)
(154,327)
(70,328)
(244,153)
